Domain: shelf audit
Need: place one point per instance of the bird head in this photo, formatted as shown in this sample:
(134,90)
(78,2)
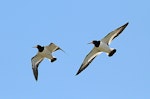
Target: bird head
(39,47)
(96,43)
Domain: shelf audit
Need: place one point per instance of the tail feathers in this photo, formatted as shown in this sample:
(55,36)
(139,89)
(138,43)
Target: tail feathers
(54,59)
(112,52)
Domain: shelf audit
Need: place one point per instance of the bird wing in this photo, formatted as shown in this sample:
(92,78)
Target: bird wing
(36,60)
(52,47)
(109,37)
(88,59)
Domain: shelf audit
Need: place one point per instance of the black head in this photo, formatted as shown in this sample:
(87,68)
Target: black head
(39,47)
(96,43)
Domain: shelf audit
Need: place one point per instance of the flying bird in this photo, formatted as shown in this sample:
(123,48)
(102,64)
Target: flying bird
(101,46)
(43,52)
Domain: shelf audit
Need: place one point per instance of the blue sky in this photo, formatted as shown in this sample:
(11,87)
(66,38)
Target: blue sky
(72,24)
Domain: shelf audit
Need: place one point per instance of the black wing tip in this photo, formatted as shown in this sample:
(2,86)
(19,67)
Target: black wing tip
(36,78)
(35,73)
(125,24)
(62,50)
(78,72)
(81,69)
(122,28)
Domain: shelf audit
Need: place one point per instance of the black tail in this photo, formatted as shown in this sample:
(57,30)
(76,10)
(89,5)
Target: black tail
(112,53)
(54,59)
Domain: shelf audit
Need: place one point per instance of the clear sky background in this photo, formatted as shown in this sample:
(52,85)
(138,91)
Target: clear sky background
(72,24)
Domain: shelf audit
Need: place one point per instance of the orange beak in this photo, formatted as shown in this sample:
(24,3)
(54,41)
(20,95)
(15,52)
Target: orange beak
(90,43)
(34,47)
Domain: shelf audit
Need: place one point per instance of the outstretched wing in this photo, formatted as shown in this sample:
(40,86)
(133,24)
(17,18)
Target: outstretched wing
(52,47)
(88,59)
(36,60)
(108,38)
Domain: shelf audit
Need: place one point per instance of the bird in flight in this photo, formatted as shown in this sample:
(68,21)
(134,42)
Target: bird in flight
(43,52)
(101,46)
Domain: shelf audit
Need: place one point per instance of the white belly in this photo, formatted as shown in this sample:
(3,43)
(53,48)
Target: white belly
(104,48)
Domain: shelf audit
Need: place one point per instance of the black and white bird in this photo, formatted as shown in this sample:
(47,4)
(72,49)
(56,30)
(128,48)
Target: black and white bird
(43,52)
(101,46)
